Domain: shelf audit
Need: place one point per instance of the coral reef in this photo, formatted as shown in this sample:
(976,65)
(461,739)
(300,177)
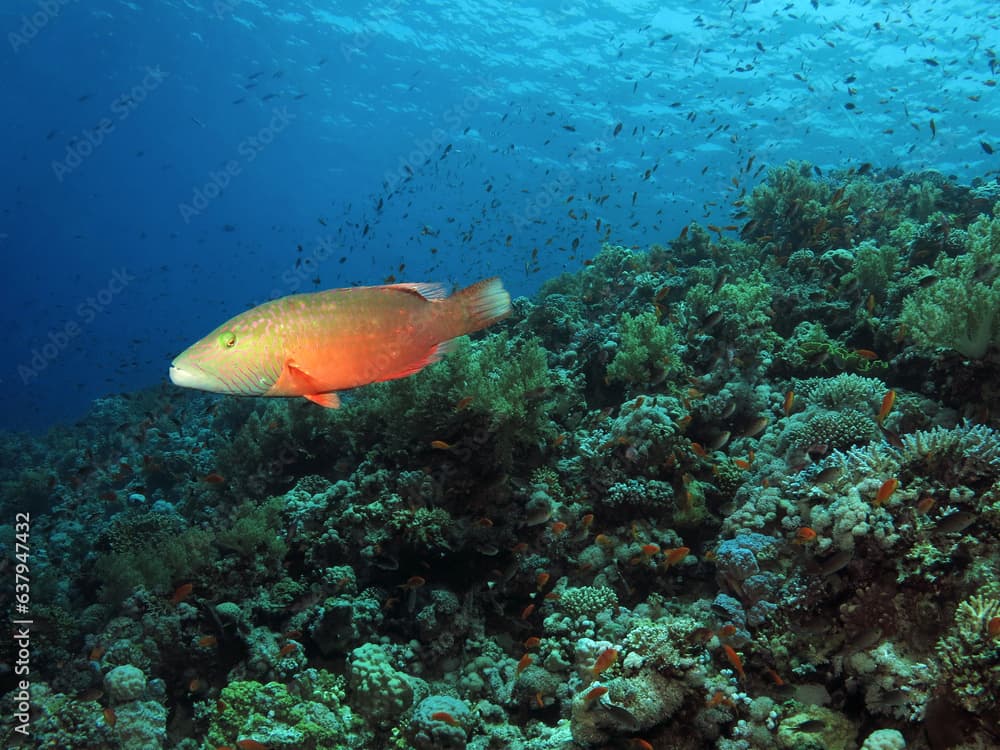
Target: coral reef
(734,493)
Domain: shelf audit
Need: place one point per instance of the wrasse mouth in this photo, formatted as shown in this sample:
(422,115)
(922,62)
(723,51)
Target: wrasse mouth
(184,378)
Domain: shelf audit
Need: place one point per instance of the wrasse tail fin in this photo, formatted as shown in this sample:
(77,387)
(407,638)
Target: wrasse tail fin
(479,305)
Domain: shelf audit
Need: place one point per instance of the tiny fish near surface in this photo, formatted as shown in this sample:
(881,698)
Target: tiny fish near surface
(312,345)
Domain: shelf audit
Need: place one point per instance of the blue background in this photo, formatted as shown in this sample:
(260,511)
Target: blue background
(334,119)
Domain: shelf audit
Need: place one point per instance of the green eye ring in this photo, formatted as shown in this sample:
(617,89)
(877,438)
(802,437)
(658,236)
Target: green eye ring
(227,339)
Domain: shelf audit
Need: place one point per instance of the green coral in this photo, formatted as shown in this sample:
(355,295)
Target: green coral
(961,310)
(588,600)
(502,382)
(256,531)
(157,562)
(836,430)
(647,351)
(970,655)
(745,304)
(874,267)
(312,719)
(846,390)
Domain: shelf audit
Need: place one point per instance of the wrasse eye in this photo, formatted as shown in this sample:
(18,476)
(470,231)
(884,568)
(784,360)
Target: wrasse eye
(227,339)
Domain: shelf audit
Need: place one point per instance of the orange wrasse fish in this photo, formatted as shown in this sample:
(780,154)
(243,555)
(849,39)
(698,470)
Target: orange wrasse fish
(313,345)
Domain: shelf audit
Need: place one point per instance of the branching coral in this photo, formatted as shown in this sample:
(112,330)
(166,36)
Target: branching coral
(646,351)
(961,310)
(970,655)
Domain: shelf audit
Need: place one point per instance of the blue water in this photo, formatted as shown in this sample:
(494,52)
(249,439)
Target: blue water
(163,163)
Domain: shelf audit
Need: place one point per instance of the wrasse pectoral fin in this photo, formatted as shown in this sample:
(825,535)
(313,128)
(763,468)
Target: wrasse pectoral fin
(433,356)
(329,400)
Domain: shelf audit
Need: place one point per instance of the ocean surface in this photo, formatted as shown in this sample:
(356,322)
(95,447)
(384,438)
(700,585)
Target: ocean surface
(723,472)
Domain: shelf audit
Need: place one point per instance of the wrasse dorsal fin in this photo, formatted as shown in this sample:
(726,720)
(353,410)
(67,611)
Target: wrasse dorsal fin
(427,290)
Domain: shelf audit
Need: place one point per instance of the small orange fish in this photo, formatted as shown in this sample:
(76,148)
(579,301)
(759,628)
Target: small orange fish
(251,745)
(558,528)
(109,717)
(717,699)
(526,612)
(993,627)
(446,717)
(413,582)
(674,556)
(775,677)
(552,596)
(698,449)
(734,659)
(885,491)
(213,478)
(870,303)
(182,592)
(462,403)
(96,653)
(313,345)
(541,579)
(727,631)
(485,522)
(648,550)
(866,354)
(440,445)
(603,540)
(195,685)
(586,520)
(287,649)
(604,660)
(532,642)
(539,699)
(741,464)
(887,401)
(805,535)
(523,664)
(925,504)
(595,694)
(207,641)
(789,403)
(637,743)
